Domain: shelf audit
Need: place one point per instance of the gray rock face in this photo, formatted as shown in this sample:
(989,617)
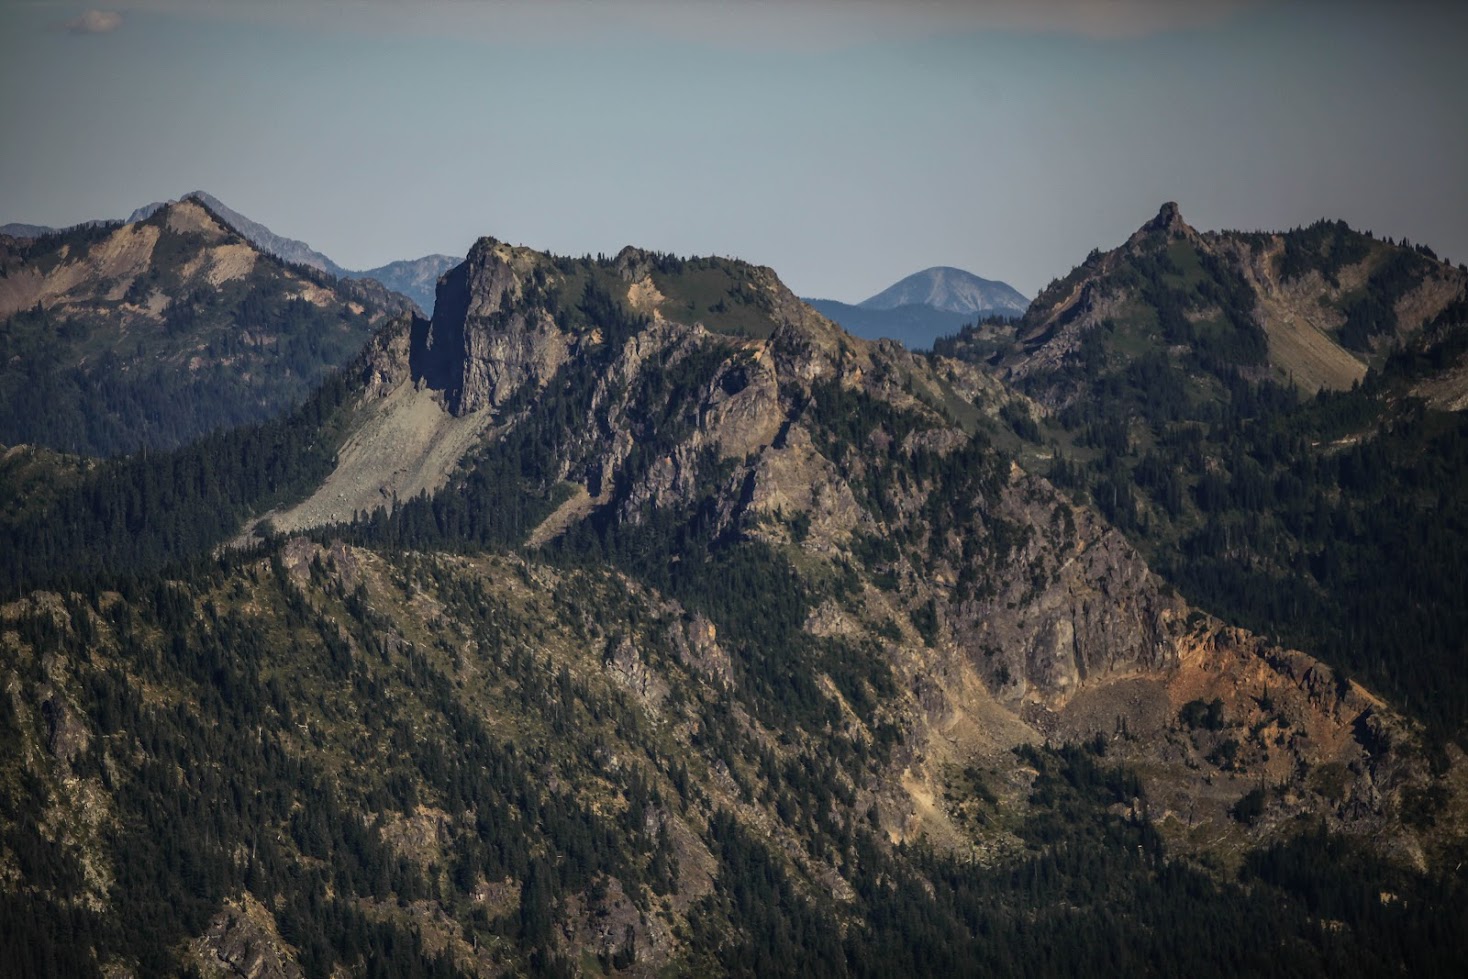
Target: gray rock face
(482,346)
(1077,604)
(1169,221)
(243,942)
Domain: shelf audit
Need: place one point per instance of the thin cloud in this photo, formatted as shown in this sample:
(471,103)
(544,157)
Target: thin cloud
(95,22)
(776,24)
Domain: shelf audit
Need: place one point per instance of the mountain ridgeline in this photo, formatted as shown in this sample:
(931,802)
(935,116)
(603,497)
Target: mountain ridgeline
(630,617)
(148,335)
(1276,420)
(415,278)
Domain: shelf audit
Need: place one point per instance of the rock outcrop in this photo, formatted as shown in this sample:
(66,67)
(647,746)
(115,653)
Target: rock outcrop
(484,345)
(243,942)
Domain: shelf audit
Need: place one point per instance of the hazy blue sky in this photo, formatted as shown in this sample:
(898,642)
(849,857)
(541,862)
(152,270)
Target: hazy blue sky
(846,144)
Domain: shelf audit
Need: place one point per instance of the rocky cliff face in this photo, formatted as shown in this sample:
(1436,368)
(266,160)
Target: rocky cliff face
(484,343)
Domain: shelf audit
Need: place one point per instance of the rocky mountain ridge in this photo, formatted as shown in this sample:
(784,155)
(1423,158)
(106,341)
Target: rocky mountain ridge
(1329,301)
(415,278)
(674,629)
(151,333)
(1041,603)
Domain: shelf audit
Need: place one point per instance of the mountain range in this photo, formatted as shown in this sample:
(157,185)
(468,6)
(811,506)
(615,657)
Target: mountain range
(924,306)
(629,616)
(414,278)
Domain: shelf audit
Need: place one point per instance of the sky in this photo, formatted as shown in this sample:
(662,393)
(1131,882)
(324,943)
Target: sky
(846,144)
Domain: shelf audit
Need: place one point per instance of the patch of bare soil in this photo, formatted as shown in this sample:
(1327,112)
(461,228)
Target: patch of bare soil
(187,217)
(573,510)
(114,261)
(1447,391)
(1300,347)
(1422,304)
(19,290)
(228,262)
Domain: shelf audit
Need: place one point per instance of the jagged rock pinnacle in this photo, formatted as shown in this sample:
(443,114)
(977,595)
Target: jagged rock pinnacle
(1168,218)
(1168,224)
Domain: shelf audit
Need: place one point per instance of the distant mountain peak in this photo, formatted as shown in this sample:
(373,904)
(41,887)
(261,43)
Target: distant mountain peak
(951,290)
(926,305)
(413,277)
(20,229)
(147,211)
(287,249)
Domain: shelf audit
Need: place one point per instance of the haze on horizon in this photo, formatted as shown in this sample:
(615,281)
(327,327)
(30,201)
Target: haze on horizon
(846,144)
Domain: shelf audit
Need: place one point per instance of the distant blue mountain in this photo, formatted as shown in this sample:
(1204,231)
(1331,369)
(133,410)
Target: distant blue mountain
(951,290)
(926,305)
(915,325)
(416,278)
(16,229)
(19,229)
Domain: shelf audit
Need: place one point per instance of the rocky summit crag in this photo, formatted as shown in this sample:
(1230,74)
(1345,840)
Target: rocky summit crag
(628,616)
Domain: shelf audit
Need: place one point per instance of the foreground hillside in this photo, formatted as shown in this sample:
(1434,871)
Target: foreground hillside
(119,337)
(630,617)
